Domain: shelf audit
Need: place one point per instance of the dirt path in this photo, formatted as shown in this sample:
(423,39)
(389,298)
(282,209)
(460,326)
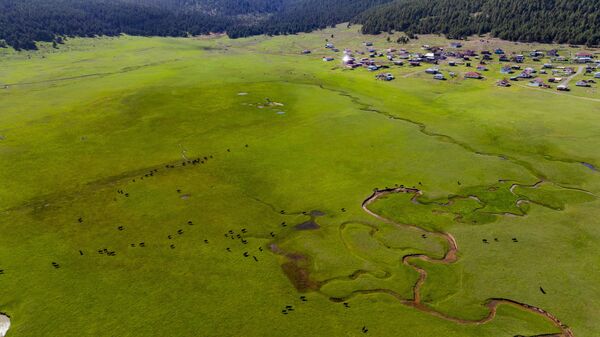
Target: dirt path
(568,79)
(451,256)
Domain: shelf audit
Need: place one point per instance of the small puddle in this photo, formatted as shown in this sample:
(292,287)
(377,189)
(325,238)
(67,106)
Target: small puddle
(309,225)
(590,166)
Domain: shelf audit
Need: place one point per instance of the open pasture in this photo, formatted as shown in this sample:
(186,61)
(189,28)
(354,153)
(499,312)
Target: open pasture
(217,187)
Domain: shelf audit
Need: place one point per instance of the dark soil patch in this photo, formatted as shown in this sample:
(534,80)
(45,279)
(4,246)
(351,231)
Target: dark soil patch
(300,277)
(308,225)
(316,213)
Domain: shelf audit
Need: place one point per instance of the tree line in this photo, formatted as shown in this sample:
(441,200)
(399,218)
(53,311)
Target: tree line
(23,22)
(560,21)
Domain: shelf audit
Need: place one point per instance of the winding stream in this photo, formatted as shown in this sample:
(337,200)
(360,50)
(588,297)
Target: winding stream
(450,256)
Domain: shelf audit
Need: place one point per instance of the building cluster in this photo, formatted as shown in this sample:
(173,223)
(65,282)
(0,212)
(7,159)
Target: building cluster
(555,64)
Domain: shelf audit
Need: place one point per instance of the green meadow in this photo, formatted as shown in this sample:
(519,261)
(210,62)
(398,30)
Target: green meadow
(214,187)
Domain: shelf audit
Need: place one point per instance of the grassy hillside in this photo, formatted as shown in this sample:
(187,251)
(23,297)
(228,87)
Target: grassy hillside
(130,166)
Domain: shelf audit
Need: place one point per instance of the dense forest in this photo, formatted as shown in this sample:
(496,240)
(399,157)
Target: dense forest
(563,21)
(23,22)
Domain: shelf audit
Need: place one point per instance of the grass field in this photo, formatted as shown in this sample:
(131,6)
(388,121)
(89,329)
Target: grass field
(215,187)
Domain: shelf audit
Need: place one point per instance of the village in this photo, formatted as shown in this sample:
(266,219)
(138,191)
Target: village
(544,69)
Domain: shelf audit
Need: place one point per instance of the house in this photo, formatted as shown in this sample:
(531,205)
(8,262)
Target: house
(348,59)
(306,51)
(536,53)
(552,53)
(583,59)
(456,45)
(538,83)
(329,45)
(547,66)
(482,68)
(432,71)
(583,83)
(518,58)
(499,51)
(473,75)
(562,87)
(415,63)
(328,59)
(506,70)
(597,75)
(385,77)
(452,64)
(503,58)
(439,77)
(373,67)
(555,79)
(368,44)
(525,74)
(503,83)
(399,63)
(584,54)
